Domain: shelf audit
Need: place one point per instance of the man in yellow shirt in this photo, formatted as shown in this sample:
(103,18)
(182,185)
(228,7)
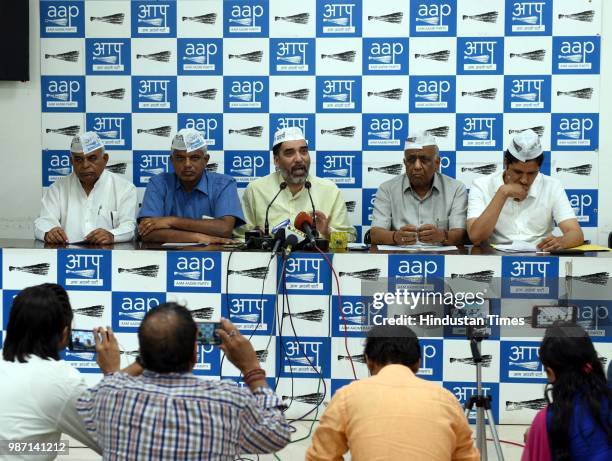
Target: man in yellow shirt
(292,161)
(393,415)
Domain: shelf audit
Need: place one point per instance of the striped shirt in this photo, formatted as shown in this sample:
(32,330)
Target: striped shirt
(176,416)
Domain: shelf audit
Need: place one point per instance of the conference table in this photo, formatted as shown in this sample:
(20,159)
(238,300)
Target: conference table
(307,314)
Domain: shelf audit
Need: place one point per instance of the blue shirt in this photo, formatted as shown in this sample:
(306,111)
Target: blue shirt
(215,196)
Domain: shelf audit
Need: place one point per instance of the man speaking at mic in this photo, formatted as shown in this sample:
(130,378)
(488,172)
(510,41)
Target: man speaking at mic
(291,184)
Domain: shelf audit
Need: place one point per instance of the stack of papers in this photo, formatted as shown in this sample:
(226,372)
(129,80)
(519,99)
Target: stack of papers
(518,246)
(416,247)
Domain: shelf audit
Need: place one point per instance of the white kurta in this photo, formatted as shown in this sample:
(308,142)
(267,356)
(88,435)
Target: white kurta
(111,205)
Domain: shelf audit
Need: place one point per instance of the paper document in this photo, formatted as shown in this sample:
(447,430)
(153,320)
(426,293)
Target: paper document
(518,246)
(416,248)
(177,244)
(591,247)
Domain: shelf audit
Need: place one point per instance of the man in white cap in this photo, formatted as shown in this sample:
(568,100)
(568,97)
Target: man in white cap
(422,205)
(292,161)
(519,204)
(191,205)
(91,204)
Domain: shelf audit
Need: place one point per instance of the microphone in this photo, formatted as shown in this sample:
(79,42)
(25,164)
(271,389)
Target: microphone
(282,186)
(304,222)
(308,185)
(279,240)
(290,242)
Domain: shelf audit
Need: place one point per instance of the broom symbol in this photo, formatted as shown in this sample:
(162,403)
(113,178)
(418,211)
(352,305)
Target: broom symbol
(209,18)
(491,17)
(315,398)
(36,269)
(212,167)
(113,134)
(395,93)
(118,168)
(162,56)
(350,206)
(571,57)
(433,97)
(570,134)
(481,58)
(482,169)
(489,93)
(480,276)
(360,358)
(256,273)
(295,94)
(145,271)
(533,366)
(253,56)
(526,96)
(163,131)
(598,278)
(385,59)
(535,404)
(251,318)
(435,56)
(477,134)
(85,273)
(583,93)
(58,96)
(203,313)
(110,19)
(291,59)
(315,315)
(301,18)
(90,311)
(527,19)
(337,21)
(60,171)
(155,22)
(69,56)
(106,59)
(380,134)
(539,130)
(71,130)
(582,170)
(119,93)
(584,16)
(346,132)
(486,360)
(342,172)
(439,132)
(62,22)
(81,355)
(392,18)
(366,274)
(347,56)
(535,55)
(388,169)
(210,94)
(242,21)
(342,97)
(254,132)
(433,21)
(132,315)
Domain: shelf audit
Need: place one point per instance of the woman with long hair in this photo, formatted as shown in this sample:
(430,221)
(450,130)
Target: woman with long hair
(577,423)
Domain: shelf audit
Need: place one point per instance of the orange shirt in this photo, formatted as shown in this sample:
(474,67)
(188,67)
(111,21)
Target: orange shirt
(393,415)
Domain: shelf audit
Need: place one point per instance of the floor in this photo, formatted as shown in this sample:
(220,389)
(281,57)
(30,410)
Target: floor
(508,434)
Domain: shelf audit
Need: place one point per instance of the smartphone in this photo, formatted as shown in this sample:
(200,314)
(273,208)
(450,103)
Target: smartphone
(82,341)
(545,316)
(207,334)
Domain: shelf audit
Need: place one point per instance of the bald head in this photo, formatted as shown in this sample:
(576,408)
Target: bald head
(167,338)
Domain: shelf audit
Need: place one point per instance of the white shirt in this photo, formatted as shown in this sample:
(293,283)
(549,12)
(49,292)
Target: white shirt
(38,403)
(529,220)
(110,205)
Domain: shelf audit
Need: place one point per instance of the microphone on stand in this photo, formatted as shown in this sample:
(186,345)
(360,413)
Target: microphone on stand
(279,240)
(305,223)
(290,242)
(308,185)
(282,186)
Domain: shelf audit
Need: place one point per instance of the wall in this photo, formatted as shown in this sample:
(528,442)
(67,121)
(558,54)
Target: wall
(21,142)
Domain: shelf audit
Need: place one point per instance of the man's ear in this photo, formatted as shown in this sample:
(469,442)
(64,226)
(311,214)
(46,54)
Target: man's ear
(105,158)
(64,341)
(416,366)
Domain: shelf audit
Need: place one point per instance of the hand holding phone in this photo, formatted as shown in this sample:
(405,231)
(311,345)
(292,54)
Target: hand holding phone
(207,333)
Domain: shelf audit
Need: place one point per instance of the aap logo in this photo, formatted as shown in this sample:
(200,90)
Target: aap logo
(194,272)
(306,274)
(208,361)
(245,18)
(356,315)
(528,17)
(63,94)
(295,56)
(431,18)
(148,164)
(482,55)
(338,94)
(384,131)
(584,204)
(479,131)
(129,308)
(115,130)
(210,125)
(246,166)
(416,272)
(530,277)
(153,19)
(576,55)
(201,56)
(251,314)
(62,19)
(575,131)
(520,362)
(154,94)
(432,94)
(84,269)
(245,94)
(306,357)
(108,57)
(339,18)
(342,168)
(385,56)
(530,93)
(56,165)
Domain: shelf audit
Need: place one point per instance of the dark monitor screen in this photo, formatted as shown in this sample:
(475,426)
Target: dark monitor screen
(14,40)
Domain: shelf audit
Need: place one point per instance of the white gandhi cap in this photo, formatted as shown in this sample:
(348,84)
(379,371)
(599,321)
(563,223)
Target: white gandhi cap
(291,133)
(419,141)
(525,145)
(189,140)
(85,143)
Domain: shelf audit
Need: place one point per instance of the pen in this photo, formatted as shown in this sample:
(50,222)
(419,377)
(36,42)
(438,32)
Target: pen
(112,220)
